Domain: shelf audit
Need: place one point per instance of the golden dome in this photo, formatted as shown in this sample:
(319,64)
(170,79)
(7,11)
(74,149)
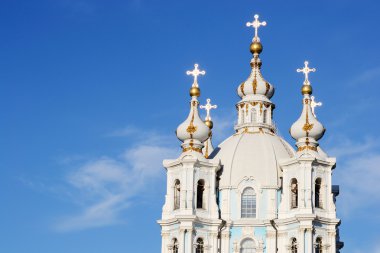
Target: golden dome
(306,89)
(209,123)
(195,92)
(256,47)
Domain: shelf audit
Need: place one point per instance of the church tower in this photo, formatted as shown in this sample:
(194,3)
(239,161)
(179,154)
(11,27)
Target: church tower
(253,193)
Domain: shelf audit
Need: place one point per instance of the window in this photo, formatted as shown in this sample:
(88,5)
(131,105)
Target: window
(200,246)
(248,203)
(254,115)
(248,246)
(175,246)
(294,193)
(200,193)
(177,194)
(318,245)
(318,198)
(293,246)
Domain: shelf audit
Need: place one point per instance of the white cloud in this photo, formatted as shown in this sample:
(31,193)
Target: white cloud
(223,126)
(105,186)
(358,173)
(367,76)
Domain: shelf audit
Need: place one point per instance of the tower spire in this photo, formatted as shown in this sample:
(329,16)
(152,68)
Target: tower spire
(307,130)
(208,148)
(193,131)
(255,108)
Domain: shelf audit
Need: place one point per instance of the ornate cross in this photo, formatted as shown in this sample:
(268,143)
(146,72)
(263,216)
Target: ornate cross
(314,104)
(306,70)
(256,24)
(195,73)
(208,106)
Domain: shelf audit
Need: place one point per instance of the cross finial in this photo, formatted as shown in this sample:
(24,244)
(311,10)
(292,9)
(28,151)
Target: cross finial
(306,70)
(208,106)
(256,24)
(195,73)
(314,104)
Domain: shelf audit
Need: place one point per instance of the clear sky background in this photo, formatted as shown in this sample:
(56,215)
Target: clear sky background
(92,91)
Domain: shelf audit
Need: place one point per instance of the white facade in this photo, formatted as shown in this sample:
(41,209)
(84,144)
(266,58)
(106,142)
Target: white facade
(254,192)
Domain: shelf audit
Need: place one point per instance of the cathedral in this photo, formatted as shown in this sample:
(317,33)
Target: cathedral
(253,193)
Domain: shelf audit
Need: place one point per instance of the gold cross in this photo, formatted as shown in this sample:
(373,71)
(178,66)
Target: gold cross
(195,73)
(256,24)
(306,70)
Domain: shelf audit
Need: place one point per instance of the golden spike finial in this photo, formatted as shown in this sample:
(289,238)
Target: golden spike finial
(306,70)
(195,73)
(256,24)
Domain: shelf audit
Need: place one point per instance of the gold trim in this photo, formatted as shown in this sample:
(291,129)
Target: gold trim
(242,88)
(307,148)
(267,86)
(254,84)
(307,126)
(191,128)
(192,149)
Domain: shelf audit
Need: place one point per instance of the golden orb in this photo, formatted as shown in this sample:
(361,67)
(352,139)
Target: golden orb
(307,89)
(195,92)
(256,47)
(209,124)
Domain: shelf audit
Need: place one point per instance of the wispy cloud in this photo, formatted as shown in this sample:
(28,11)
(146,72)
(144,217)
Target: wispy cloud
(367,76)
(223,126)
(358,173)
(104,187)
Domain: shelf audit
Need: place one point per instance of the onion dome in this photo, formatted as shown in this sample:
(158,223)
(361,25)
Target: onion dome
(208,147)
(193,131)
(307,130)
(255,109)
(256,84)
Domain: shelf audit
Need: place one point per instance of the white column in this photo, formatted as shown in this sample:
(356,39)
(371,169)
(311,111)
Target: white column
(164,246)
(214,242)
(271,241)
(332,241)
(309,239)
(225,241)
(301,240)
(189,241)
(181,246)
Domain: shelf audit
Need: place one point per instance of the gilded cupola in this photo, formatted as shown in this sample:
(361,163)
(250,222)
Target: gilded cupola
(255,107)
(255,83)
(193,131)
(307,130)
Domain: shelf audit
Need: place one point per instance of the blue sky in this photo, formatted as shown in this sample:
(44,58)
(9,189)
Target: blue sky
(92,91)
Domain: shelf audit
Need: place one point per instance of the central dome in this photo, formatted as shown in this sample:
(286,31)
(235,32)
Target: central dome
(252,155)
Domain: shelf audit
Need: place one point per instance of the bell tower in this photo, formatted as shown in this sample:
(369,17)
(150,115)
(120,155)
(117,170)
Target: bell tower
(190,219)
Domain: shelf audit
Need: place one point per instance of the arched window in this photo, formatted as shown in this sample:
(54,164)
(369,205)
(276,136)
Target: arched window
(200,193)
(294,193)
(318,245)
(293,246)
(200,246)
(248,246)
(253,115)
(248,203)
(317,192)
(177,194)
(175,246)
